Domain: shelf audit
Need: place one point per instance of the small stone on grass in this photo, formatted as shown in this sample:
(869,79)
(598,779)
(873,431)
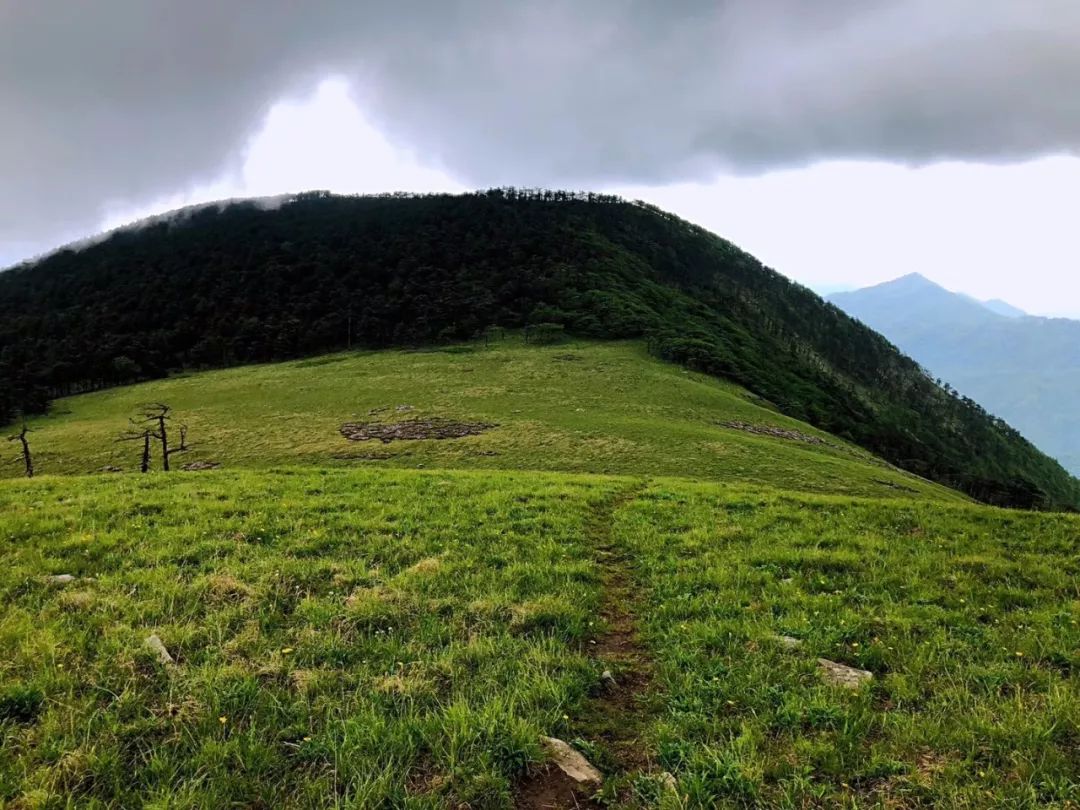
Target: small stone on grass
(843,675)
(572,763)
(157,647)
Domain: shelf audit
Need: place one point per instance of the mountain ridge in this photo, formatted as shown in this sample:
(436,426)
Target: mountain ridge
(319,273)
(1025,368)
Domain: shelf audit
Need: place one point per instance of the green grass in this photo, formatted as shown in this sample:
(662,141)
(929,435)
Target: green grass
(967,617)
(575,407)
(357,634)
(364,638)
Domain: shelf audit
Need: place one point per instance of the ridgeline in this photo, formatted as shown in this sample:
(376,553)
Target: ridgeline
(241,283)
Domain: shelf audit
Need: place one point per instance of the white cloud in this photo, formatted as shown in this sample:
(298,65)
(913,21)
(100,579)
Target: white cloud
(322,142)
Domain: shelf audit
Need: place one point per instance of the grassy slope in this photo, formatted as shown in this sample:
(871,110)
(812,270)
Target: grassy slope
(574,407)
(967,616)
(336,635)
(400,638)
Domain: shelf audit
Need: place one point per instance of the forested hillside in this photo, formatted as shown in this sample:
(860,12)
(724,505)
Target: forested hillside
(217,287)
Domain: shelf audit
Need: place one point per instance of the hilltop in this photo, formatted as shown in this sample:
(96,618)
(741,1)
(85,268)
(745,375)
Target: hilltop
(1023,368)
(241,284)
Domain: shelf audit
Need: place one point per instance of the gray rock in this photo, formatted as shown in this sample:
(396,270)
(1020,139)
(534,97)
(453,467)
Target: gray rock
(200,466)
(843,675)
(61,579)
(572,763)
(608,679)
(789,642)
(156,646)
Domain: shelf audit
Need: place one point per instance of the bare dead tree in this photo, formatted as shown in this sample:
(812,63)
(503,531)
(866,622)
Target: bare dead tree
(183,446)
(160,414)
(28,460)
(139,433)
(144,465)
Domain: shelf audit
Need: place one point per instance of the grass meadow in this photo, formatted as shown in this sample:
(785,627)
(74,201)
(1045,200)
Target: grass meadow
(362,639)
(368,625)
(604,408)
(402,638)
(966,616)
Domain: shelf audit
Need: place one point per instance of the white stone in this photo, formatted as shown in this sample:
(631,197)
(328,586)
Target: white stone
(572,763)
(156,646)
(843,675)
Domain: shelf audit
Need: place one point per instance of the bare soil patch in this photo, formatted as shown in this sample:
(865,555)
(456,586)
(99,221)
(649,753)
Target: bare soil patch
(551,789)
(617,713)
(412,429)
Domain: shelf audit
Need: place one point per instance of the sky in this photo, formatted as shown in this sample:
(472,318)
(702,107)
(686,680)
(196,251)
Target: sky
(844,143)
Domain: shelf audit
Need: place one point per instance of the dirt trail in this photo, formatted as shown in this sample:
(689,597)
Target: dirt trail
(615,715)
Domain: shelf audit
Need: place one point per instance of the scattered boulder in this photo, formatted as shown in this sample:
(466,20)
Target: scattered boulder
(572,763)
(774,432)
(156,646)
(409,429)
(789,642)
(61,579)
(200,466)
(374,455)
(894,485)
(843,675)
(608,679)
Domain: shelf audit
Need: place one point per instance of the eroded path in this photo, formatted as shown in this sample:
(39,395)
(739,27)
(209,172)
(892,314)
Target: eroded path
(614,718)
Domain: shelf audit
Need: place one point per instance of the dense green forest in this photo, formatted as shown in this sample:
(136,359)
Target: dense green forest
(242,283)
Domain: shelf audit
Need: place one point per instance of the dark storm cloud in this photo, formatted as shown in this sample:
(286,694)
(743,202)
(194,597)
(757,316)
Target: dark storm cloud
(126,100)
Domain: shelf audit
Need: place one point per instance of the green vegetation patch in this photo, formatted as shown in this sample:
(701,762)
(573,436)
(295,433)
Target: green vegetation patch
(610,409)
(966,617)
(369,639)
(402,638)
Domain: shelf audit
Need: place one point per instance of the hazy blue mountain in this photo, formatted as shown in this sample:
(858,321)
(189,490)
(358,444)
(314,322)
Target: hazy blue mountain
(1004,308)
(1022,368)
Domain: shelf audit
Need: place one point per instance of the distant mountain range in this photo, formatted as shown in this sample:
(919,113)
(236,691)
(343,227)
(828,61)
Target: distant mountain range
(1022,368)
